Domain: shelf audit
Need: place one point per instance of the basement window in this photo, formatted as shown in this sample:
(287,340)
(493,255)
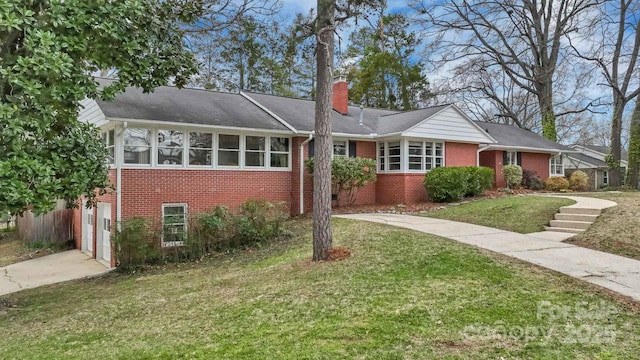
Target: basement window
(174,224)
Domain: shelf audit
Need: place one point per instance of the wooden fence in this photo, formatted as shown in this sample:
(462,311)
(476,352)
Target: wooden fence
(53,227)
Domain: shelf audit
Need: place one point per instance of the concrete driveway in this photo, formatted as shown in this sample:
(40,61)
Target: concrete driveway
(50,269)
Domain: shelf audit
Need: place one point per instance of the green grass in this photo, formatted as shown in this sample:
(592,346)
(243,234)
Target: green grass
(522,214)
(402,295)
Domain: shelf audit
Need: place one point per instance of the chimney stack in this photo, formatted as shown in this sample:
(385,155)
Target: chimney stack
(341,95)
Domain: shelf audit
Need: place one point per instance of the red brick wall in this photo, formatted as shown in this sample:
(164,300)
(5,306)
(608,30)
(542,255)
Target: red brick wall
(145,190)
(493,159)
(414,190)
(390,189)
(367,194)
(537,162)
(460,154)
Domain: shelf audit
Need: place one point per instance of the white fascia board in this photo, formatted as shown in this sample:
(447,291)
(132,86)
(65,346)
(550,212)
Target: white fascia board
(265,109)
(160,124)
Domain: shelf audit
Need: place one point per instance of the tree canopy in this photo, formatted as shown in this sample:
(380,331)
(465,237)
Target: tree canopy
(49,50)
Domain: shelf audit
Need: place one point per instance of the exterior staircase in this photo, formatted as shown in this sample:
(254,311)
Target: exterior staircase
(573,220)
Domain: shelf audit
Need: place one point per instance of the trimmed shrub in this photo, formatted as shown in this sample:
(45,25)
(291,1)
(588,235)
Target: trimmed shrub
(557,183)
(210,231)
(134,243)
(259,221)
(447,184)
(578,181)
(348,175)
(536,183)
(512,175)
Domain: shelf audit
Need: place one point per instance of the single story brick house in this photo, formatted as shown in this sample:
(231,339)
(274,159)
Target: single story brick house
(522,147)
(591,160)
(177,152)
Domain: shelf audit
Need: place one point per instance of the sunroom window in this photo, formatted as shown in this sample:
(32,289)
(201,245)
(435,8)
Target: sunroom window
(200,148)
(137,146)
(394,155)
(228,150)
(279,152)
(381,156)
(109,138)
(170,147)
(254,151)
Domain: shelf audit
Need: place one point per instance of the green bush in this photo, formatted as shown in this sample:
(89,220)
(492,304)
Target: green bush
(578,181)
(454,183)
(348,175)
(259,221)
(210,231)
(557,183)
(512,175)
(134,243)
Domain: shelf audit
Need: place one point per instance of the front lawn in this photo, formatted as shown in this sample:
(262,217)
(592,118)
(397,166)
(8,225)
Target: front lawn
(402,295)
(617,230)
(522,214)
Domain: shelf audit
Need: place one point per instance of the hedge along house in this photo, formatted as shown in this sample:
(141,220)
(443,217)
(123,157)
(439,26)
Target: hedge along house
(517,146)
(179,152)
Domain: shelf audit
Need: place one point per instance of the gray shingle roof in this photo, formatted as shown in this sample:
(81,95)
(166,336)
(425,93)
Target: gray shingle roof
(605,150)
(189,106)
(300,114)
(513,136)
(582,158)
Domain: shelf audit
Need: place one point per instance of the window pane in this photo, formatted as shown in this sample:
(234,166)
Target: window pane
(254,143)
(393,166)
(200,140)
(169,156)
(174,210)
(429,163)
(394,148)
(200,157)
(228,158)
(415,166)
(229,142)
(137,144)
(340,148)
(112,137)
(381,147)
(110,155)
(438,162)
(254,158)
(170,138)
(415,148)
(438,149)
(280,144)
(279,160)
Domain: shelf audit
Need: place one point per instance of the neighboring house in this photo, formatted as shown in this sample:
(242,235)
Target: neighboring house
(517,146)
(592,160)
(178,152)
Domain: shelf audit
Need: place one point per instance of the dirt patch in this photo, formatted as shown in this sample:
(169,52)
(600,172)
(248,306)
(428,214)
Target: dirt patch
(339,253)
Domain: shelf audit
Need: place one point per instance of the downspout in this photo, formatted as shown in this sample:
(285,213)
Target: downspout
(119,141)
(301,155)
(480,149)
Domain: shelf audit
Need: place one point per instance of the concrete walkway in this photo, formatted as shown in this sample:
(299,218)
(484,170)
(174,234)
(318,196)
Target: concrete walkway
(613,272)
(50,269)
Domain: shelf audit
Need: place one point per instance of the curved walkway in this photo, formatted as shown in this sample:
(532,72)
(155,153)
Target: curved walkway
(616,273)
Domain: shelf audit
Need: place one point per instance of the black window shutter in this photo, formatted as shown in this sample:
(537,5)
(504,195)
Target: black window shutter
(519,156)
(312,148)
(352,149)
(504,158)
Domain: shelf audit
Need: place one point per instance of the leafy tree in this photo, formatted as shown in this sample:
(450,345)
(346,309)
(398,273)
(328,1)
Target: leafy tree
(48,51)
(387,76)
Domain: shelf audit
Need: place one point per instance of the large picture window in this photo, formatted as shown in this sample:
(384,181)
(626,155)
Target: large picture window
(137,146)
(170,147)
(228,150)
(174,224)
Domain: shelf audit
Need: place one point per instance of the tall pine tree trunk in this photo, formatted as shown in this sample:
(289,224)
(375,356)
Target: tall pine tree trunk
(322,234)
(634,147)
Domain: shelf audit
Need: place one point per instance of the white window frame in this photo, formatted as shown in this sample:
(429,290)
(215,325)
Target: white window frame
(346,147)
(512,158)
(266,141)
(216,132)
(152,147)
(429,147)
(170,148)
(211,149)
(605,177)
(111,146)
(186,224)
(239,151)
(381,154)
(554,164)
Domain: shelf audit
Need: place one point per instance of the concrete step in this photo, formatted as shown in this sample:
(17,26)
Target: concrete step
(561,229)
(576,217)
(579,211)
(582,225)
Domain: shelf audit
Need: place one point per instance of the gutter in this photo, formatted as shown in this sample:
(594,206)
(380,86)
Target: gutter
(301,155)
